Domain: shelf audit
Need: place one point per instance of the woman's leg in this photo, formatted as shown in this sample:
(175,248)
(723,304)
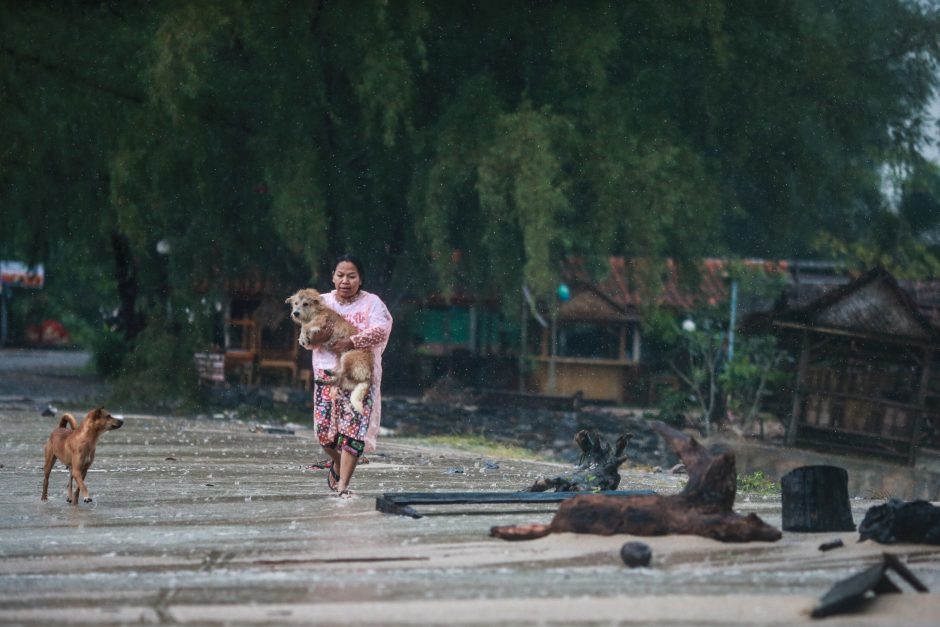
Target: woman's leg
(325,425)
(352,427)
(333,453)
(347,466)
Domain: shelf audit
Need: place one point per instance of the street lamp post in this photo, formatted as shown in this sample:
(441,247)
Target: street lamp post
(163,249)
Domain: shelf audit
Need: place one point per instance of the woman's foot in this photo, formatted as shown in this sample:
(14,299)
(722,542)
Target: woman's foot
(332,478)
(345,494)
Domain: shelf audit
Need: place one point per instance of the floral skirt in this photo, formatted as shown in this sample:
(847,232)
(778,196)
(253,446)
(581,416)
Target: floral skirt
(336,421)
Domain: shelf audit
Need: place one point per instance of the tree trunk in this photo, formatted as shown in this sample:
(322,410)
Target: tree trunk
(816,499)
(704,507)
(129,320)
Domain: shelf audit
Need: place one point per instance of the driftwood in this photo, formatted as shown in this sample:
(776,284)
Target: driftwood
(598,468)
(704,507)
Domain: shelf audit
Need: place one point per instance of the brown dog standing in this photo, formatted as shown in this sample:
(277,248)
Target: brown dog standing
(75,447)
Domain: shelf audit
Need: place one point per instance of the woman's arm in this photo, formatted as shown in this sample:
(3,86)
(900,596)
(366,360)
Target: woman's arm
(380,326)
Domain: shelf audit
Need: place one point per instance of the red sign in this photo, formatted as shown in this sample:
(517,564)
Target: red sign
(18,274)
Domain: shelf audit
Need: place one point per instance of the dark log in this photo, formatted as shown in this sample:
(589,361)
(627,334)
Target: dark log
(898,521)
(598,468)
(816,499)
(704,507)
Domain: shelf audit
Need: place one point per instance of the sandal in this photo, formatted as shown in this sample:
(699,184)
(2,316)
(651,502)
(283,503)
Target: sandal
(332,478)
(345,494)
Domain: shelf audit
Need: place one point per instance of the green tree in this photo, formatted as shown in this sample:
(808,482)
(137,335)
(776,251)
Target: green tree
(453,145)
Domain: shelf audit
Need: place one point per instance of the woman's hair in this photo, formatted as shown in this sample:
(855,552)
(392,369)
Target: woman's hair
(354,260)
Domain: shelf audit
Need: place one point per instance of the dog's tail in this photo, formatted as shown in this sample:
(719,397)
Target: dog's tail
(358,396)
(68,420)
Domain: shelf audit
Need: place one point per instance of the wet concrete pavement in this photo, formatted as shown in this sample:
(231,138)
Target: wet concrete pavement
(214,522)
(211,522)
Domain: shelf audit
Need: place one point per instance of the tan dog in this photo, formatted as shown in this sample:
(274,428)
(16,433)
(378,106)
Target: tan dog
(75,447)
(355,366)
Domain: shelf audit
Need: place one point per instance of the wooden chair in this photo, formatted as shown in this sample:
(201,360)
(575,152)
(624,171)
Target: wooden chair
(280,359)
(241,352)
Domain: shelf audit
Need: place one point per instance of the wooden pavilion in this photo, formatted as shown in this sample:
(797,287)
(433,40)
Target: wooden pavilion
(868,379)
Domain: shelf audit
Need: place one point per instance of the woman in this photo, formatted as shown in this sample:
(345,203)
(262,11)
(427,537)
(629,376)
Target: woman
(344,433)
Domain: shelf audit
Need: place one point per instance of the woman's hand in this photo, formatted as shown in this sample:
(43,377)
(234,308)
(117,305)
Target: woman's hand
(309,339)
(342,345)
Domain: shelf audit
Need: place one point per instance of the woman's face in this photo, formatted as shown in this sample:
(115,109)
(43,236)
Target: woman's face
(346,279)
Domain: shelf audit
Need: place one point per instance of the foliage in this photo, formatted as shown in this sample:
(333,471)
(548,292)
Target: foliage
(757,483)
(454,147)
(904,239)
(701,351)
(697,351)
(157,373)
(758,366)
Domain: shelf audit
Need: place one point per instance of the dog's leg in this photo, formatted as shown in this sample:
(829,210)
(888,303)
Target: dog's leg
(87,497)
(46,469)
(307,332)
(80,487)
(69,497)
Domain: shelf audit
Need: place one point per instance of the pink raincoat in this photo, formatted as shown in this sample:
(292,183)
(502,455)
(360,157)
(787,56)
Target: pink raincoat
(369,314)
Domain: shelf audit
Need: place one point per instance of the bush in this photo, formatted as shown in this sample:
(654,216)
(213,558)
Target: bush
(109,349)
(158,371)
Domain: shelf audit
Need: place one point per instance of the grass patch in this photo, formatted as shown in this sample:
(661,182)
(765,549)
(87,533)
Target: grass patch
(481,445)
(758,483)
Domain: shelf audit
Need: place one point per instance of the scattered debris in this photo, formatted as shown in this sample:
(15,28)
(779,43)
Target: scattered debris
(900,521)
(49,411)
(832,544)
(169,459)
(271,430)
(816,499)
(636,554)
(846,595)
(400,502)
(598,468)
(454,471)
(704,507)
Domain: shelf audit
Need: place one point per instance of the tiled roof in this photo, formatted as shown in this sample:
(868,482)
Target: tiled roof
(627,280)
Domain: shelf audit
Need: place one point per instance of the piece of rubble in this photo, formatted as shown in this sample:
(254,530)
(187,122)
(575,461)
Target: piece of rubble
(846,595)
(635,554)
(900,521)
(832,544)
